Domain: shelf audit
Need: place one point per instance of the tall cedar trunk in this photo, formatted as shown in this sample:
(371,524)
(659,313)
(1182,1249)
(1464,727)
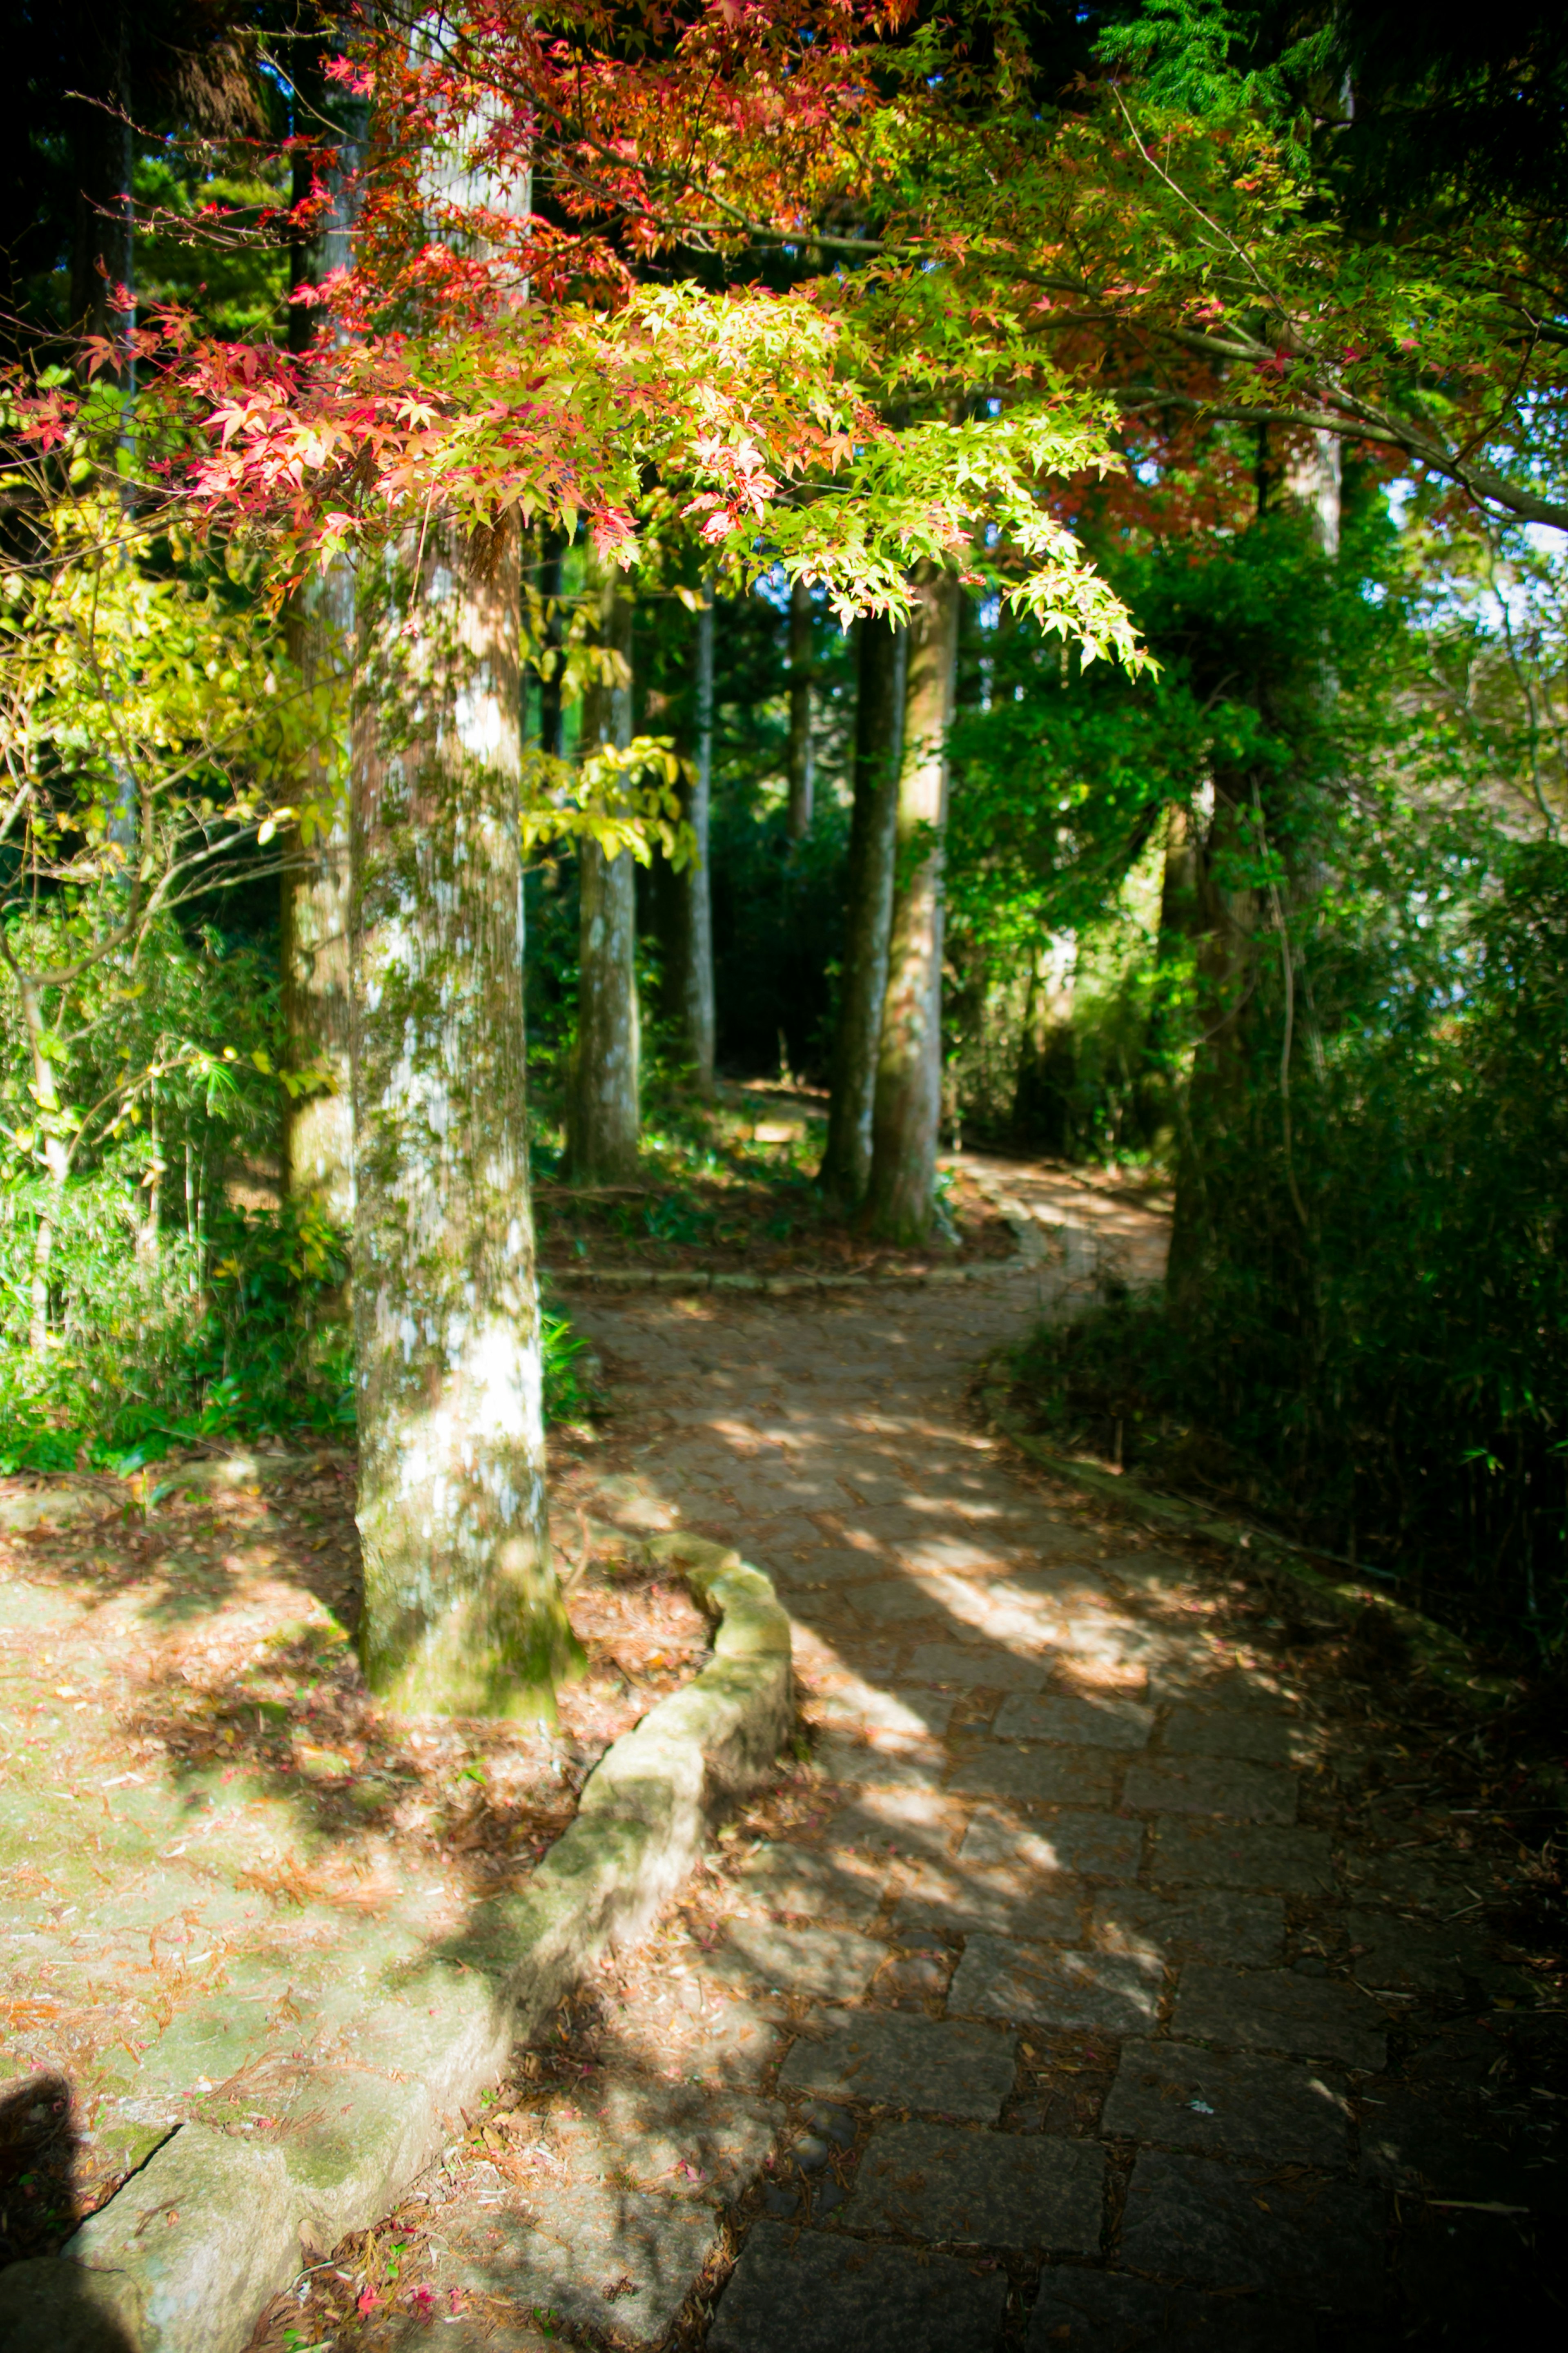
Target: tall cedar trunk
(603,1111)
(683,899)
(802,778)
(900,1194)
(1230,924)
(317,1125)
(1226,920)
(881,659)
(462,1612)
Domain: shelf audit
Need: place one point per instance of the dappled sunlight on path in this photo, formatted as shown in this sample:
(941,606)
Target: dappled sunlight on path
(1080,2005)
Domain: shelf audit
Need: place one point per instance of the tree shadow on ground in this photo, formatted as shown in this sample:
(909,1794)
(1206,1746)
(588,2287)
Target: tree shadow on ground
(45,2306)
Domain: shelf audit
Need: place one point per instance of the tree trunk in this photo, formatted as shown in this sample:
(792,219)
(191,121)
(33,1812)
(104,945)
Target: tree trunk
(1230,924)
(602,1116)
(317,1124)
(802,775)
(1225,921)
(900,1195)
(882,657)
(549,584)
(56,1162)
(462,1612)
(684,899)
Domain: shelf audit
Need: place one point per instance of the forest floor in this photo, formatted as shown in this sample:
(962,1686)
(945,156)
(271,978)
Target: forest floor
(729,1186)
(213,1842)
(1118,1963)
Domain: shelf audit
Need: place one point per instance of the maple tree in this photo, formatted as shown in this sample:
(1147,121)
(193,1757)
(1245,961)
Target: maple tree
(508,349)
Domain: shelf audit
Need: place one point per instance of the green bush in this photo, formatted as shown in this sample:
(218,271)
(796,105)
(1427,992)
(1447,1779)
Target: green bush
(1389,1378)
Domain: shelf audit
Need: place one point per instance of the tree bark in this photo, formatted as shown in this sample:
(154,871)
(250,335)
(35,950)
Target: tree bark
(802,775)
(317,1124)
(881,659)
(900,1194)
(1229,923)
(57,1163)
(602,1116)
(684,899)
(462,1612)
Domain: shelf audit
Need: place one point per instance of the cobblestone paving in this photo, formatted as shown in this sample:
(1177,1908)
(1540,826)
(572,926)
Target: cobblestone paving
(1062,2019)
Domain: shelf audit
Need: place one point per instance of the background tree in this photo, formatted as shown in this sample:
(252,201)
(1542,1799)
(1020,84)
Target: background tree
(604,1101)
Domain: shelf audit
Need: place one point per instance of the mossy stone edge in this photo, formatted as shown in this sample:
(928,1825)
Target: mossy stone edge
(190,2248)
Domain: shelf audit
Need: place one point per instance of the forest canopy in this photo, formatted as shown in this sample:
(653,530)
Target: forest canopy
(1002,565)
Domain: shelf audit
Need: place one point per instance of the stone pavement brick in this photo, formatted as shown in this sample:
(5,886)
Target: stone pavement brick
(854,1764)
(1262,1735)
(1208,1927)
(1079,1723)
(1410,1956)
(1275,2010)
(945,1899)
(1215,2225)
(976,1668)
(1110,2312)
(957,1556)
(1060,1991)
(828,1964)
(937,2065)
(797,1879)
(1231,2103)
(1212,1785)
(893,1599)
(1097,1846)
(1042,1776)
(817,2293)
(861,1706)
(1403,1879)
(896,1822)
(980,2188)
(1235,1854)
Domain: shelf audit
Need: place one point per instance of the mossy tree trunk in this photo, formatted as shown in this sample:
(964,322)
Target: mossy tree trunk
(601,1114)
(462,1612)
(882,656)
(317,1124)
(683,898)
(1211,883)
(901,1190)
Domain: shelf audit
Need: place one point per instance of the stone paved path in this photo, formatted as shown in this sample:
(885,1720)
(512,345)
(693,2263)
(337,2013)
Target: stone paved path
(1057,2015)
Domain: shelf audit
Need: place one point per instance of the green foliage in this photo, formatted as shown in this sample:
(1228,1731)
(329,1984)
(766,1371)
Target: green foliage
(150,1349)
(1388,1379)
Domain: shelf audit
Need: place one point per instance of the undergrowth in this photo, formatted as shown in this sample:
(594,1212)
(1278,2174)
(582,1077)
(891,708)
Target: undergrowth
(242,1333)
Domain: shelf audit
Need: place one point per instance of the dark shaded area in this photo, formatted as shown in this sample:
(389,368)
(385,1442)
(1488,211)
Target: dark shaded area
(38,2146)
(44,2306)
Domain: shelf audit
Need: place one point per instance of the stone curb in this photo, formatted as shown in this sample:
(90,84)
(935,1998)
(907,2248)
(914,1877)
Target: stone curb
(1439,1654)
(190,2248)
(776,1286)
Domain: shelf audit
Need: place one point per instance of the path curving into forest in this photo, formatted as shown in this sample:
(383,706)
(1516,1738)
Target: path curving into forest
(1087,1990)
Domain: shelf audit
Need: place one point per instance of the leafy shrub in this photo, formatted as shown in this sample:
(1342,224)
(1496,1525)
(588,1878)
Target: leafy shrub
(1390,1376)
